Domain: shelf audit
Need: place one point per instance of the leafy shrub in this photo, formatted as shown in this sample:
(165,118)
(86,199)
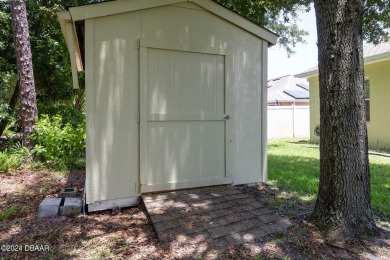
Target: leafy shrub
(6,214)
(12,159)
(66,109)
(60,146)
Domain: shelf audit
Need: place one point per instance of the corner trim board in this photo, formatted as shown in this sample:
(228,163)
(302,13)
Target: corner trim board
(264,166)
(110,204)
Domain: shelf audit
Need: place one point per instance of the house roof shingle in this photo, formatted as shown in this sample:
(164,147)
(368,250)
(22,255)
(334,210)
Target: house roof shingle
(282,89)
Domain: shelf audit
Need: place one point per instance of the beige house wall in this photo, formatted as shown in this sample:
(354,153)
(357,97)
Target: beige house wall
(113,82)
(378,127)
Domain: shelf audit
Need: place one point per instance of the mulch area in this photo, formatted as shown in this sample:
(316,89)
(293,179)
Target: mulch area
(130,233)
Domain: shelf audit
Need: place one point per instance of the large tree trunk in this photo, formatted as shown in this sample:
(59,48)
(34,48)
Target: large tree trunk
(12,105)
(28,106)
(343,204)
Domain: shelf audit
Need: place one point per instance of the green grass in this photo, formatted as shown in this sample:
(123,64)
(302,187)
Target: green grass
(8,213)
(295,167)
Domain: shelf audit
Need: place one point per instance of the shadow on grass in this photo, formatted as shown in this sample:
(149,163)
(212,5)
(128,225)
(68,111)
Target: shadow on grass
(299,175)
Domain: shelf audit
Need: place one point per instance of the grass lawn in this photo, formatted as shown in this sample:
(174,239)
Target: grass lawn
(294,166)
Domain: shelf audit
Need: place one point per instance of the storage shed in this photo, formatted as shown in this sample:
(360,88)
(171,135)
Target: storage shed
(176,96)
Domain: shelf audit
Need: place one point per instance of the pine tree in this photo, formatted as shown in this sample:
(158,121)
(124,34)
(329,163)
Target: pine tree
(28,104)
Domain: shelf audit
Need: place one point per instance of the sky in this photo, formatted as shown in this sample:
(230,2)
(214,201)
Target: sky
(305,56)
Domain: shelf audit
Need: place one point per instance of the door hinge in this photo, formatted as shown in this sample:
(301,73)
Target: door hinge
(138,117)
(137,187)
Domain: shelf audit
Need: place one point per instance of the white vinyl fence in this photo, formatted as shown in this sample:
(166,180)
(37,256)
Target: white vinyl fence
(288,121)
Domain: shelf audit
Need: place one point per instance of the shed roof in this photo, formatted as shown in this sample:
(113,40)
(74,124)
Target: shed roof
(371,53)
(288,89)
(123,6)
(71,22)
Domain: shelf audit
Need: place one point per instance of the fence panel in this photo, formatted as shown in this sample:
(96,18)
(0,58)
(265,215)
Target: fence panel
(288,121)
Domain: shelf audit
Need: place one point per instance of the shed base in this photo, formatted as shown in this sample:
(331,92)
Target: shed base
(111,204)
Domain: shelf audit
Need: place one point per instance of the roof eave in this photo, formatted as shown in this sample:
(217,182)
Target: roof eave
(307,74)
(290,100)
(68,30)
(368,60)
(116,7)
(377,58)
(238,20)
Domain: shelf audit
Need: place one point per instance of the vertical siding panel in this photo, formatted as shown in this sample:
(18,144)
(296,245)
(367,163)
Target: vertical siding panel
(165,81)
(220,84)
(195,83)
(180,82)
(154,102)
(208,84)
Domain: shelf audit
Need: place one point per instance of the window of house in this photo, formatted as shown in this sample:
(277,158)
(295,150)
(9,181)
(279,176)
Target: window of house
(367,98)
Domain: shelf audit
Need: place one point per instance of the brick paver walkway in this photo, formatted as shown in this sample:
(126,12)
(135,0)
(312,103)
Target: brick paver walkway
(221,215)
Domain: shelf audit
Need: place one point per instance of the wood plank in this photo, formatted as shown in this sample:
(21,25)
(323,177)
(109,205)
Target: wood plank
(180,82)
(116,7)
(264,101)
(115,203)
(186,117)
(209,84)
(190,47)
(185,184)
(72,54)
(195,83)
(91,167)
(143,92)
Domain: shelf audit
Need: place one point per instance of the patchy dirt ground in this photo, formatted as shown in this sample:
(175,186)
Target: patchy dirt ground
(129,233)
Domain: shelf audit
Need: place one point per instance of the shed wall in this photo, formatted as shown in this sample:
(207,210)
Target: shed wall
(112,75)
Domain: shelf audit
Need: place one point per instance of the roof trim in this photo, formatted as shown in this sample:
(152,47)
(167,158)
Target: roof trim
(116,7)
(289,100)
(123,6)
(68,18)
(238,20)
(367,60)
(73,53)
(307,74)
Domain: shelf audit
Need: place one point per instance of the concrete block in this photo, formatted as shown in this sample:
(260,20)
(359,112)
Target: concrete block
(70,192)
(49,207)
(72,206)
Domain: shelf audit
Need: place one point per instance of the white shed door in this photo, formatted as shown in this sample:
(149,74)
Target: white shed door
(182,119)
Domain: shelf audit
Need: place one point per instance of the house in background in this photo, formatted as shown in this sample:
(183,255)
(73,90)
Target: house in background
(175,96)
(288,107)
(377,95)
(287,91)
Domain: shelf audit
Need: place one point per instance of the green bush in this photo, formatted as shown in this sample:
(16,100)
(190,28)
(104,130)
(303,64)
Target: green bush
(11,160)
(65,108)
(59,146)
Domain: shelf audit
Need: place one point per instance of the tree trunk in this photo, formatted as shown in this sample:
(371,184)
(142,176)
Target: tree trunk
(343,204)
(28,106)
(12,105)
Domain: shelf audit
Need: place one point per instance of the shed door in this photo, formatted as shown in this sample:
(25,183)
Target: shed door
(182,119)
